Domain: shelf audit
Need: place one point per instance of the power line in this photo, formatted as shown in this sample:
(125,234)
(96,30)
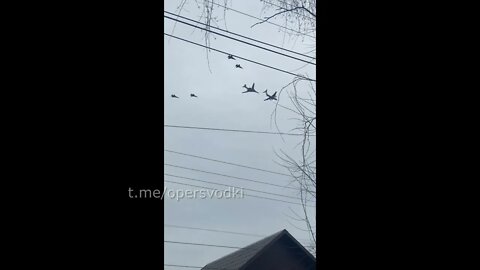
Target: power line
(226,175)
(233,33)
(201,244)
(236,130)
(229,176)
(208,245)
(220,184)
(239,57)
(245,42)
(249,195)
(249,38)
(269,22)
(225,162)
(217,231)
(212,230)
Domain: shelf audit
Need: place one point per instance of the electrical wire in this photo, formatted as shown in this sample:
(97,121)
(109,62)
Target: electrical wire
(218,231)
(201,244)
(229,176)
(238,40)
(249,189)
(249,195)
(236,130)
(239,57)
(249,38)
(225,162)
(213,230)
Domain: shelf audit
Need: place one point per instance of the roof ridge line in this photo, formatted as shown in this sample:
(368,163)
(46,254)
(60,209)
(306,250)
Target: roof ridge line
(247,247)
(278,235)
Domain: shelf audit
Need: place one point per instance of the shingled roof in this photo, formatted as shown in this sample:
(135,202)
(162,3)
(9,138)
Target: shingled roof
(242,258)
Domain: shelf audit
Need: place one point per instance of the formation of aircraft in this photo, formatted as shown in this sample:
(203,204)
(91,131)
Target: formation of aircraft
(191,95)
(249,89)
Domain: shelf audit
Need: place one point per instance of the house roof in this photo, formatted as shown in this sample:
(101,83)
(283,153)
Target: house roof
(241,258)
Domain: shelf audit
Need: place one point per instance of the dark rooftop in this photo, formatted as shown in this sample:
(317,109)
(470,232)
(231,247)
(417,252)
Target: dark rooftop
(242,257)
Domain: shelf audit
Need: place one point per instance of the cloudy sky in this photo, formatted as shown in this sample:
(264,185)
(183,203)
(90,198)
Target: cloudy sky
(220,104)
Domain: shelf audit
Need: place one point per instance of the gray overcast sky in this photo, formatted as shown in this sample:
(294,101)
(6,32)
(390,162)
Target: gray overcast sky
(222,105)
